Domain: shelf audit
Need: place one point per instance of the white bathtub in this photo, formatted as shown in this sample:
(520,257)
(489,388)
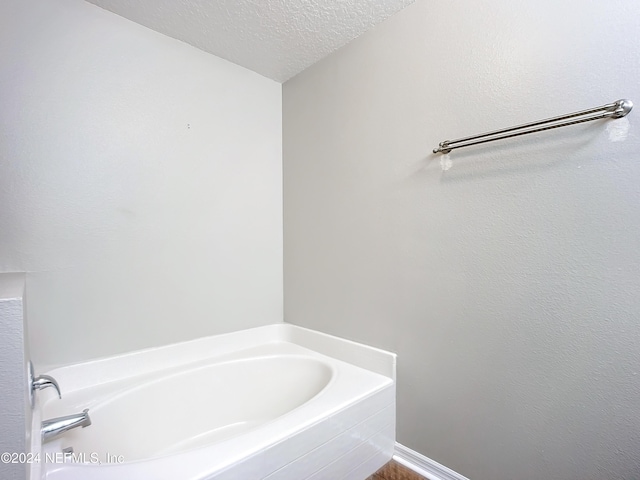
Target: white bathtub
(275,402)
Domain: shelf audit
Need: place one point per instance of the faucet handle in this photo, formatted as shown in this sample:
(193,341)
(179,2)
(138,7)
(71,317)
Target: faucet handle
(41,382)
(45,381)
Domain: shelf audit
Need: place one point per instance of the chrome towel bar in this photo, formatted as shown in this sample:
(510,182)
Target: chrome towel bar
(617,109)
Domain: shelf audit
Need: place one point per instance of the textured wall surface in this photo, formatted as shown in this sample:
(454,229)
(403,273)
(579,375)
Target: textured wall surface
(141,183)
(15,413)
(506,277)
(275,38)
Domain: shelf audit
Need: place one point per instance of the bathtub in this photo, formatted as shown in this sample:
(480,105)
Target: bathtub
(275,402)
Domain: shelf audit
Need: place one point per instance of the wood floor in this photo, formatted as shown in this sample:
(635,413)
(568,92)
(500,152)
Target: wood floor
(394,471)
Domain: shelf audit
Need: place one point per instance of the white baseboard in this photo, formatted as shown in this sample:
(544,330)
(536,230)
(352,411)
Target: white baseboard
(423,465)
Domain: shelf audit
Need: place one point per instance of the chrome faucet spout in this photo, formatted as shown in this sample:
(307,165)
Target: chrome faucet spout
(57,426)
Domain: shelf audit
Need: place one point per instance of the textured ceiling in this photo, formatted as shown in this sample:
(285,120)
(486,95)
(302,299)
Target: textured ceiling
(276,38)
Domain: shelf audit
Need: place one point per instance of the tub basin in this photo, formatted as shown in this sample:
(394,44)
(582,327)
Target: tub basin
(276,402)
(200,406)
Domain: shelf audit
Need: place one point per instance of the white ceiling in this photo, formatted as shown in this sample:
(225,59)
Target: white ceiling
(276,38)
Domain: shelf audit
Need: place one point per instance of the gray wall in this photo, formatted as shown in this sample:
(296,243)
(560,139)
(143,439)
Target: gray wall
(140,184)
(506,277)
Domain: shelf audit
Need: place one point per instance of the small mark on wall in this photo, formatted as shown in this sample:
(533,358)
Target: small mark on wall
(188,126)
(445,162)
(618,130)
(125,211)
